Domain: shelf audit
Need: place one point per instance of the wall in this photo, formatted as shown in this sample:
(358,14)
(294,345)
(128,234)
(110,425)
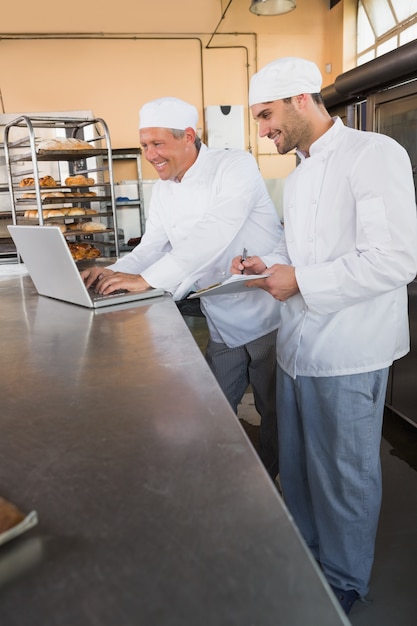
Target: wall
(51,61)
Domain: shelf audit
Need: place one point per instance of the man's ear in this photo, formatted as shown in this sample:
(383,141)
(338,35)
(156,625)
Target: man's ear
(301,100)
(189,134)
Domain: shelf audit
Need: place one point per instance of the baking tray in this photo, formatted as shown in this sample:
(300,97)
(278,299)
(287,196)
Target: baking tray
(28,522)
(64,200)
(60,155)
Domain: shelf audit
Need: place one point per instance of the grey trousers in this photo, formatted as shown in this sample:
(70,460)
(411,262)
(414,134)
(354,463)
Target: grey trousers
(253,363)
(330,471)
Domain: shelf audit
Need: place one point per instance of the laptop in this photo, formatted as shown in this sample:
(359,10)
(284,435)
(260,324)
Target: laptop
(54,272)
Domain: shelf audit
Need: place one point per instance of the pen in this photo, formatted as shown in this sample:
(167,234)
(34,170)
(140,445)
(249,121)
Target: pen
(207,288)
(244,257)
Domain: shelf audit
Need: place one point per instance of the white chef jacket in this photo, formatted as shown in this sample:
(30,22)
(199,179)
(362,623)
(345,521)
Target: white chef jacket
(196,227)
(350,232)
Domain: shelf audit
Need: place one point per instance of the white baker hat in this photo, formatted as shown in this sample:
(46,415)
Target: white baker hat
(168,113)
(284,78)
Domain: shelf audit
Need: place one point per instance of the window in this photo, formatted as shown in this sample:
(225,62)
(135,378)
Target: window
(383,25)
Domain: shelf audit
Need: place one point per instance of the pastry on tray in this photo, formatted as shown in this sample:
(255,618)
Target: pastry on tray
(64,143)
(13,521)
(82,251)
(44,181)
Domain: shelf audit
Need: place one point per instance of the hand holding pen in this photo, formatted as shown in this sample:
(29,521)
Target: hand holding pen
(243,258)
(253,264)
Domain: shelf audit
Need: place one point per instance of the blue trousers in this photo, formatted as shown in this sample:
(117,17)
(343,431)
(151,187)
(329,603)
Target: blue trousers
(253,363)
(330,472)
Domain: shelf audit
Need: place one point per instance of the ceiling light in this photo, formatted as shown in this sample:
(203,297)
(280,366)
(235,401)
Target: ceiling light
(272,7)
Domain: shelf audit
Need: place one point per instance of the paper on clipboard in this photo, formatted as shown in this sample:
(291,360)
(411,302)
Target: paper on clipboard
(235,284)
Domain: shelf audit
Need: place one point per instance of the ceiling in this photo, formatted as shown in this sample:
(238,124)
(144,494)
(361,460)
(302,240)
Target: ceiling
(221,16)
(193,17)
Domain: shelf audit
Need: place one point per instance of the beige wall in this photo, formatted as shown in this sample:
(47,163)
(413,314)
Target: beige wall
(103,66)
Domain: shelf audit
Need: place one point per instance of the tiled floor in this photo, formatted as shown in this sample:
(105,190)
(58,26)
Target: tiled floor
(392,600)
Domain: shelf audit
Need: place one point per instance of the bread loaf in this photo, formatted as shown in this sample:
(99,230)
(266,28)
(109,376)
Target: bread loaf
(30,214)
(62,227)
(92,226)
(52,194)
(76,211)
(73,226)
(64,144)
(46,213)
(53,213)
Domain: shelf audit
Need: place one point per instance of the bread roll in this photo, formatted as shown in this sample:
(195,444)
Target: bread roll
(27,182)
(79,180)
(47,181)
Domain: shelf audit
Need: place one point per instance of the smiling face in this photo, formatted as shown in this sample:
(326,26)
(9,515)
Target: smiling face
(282,121)
(170,156)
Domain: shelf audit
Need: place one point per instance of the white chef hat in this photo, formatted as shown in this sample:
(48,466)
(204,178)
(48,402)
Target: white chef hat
(168,113)
(284,78)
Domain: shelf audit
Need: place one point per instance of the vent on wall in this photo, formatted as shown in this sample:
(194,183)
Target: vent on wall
(224,126)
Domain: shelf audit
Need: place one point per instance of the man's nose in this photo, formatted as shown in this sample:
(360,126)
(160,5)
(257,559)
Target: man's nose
(150,153)
(263,129)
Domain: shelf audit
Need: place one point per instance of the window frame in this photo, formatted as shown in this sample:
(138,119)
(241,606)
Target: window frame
(381,41)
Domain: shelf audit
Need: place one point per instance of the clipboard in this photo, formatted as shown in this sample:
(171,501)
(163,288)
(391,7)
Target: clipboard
(234,284)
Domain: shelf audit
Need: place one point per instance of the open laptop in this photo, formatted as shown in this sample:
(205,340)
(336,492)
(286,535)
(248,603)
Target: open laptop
(54,272)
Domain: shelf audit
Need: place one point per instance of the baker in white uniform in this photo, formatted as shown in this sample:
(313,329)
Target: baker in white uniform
(208,205)
(341,271)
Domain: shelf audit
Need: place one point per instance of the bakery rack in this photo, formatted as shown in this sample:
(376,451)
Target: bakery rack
(25,159)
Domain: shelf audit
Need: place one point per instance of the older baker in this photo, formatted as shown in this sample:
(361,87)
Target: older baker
(208,205)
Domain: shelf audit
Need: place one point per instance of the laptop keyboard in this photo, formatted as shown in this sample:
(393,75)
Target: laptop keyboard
(108,296)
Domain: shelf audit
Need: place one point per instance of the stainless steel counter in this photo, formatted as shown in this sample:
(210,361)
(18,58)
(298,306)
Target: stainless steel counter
(154,510)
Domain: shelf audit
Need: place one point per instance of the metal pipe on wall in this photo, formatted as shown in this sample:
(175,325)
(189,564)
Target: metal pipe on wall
(394,67)
(153,37)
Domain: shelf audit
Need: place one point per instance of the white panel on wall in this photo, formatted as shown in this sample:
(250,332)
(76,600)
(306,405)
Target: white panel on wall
(224,126)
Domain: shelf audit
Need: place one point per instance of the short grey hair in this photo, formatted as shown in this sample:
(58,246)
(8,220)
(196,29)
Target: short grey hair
(179,134)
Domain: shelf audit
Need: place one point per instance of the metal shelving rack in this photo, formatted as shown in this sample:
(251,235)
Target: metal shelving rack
(126,154)
(24,159)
